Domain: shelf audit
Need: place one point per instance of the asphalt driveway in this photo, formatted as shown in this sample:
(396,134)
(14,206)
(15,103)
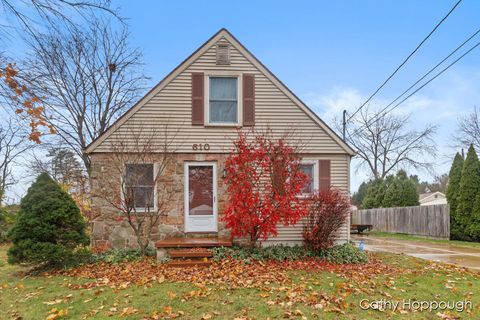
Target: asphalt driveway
(448,253)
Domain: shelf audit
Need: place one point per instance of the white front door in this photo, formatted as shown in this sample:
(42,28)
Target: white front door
(201,197)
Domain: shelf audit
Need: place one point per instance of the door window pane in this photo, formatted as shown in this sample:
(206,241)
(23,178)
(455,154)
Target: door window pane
(223,104)
(200,190)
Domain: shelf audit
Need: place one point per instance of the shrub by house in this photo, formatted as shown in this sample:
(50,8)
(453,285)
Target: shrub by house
(327,212)
(264,180)
(49,226)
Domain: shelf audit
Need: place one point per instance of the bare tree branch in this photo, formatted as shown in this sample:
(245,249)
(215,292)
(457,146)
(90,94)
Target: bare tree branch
(468,130)
(13,144)
(88,79)
(384,143)
(139,162)
(28,16)
(26,20)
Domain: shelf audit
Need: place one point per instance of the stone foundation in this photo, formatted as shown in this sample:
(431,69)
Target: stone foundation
(109,231)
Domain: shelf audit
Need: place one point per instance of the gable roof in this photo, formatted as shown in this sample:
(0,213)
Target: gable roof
(425,197)
(222,33)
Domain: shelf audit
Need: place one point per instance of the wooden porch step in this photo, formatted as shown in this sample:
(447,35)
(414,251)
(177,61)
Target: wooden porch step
(193,243)
(188,263)
(189,253)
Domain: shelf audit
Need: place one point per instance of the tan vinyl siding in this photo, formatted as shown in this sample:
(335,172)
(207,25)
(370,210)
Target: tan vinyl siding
(173,105)
(275,108)
(339,178)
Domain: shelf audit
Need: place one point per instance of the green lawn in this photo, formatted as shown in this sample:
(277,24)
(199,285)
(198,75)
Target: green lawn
(409,278)
(402,236)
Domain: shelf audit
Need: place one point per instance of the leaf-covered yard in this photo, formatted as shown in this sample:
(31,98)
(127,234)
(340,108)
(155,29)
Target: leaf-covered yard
(232,289)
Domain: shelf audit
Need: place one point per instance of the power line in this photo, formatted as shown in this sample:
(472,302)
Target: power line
(419,88)
(405,61)
(436,76)
(430,71)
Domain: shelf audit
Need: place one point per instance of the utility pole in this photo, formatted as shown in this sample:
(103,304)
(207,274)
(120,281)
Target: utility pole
(344,124)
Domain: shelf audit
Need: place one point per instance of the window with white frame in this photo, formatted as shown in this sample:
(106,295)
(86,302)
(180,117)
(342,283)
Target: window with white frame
(140,186)
(223,100)
(310,169)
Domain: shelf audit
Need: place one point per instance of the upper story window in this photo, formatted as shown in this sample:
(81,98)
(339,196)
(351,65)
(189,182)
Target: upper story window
(309,168)
(223,100)
(140,186)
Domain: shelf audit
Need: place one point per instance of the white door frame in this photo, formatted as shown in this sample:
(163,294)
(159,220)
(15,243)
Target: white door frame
(214,217)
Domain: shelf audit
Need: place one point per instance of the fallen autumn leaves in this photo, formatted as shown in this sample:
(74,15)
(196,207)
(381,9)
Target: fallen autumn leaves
(293,289)
(227,273)
(272,279)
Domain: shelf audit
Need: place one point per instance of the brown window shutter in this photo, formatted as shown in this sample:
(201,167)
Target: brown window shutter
(278,182)
(324,180)
(248,100)
(197,98)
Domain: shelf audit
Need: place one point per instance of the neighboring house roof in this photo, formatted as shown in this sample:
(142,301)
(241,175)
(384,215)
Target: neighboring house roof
(431,196)
(222,33)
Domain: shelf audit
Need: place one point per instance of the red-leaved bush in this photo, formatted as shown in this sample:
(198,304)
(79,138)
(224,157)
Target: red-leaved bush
(327,211)
(263,179)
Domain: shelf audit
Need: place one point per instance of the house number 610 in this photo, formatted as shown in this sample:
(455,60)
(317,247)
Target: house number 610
(200,146)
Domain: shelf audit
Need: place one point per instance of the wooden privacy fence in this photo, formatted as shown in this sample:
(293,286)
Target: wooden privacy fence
(427,221)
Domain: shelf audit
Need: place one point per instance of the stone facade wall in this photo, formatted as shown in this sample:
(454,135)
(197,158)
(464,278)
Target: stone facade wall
(108,231)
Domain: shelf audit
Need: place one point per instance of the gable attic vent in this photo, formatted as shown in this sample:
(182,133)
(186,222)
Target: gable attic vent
(223,53)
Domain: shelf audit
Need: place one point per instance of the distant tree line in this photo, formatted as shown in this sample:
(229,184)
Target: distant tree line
(463,195)
(397,190)
(439,184)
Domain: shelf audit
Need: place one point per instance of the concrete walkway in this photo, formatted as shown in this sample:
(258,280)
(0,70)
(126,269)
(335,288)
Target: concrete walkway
(448,253)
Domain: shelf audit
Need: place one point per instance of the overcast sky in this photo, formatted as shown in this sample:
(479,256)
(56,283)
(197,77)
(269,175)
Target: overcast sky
(332,54)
